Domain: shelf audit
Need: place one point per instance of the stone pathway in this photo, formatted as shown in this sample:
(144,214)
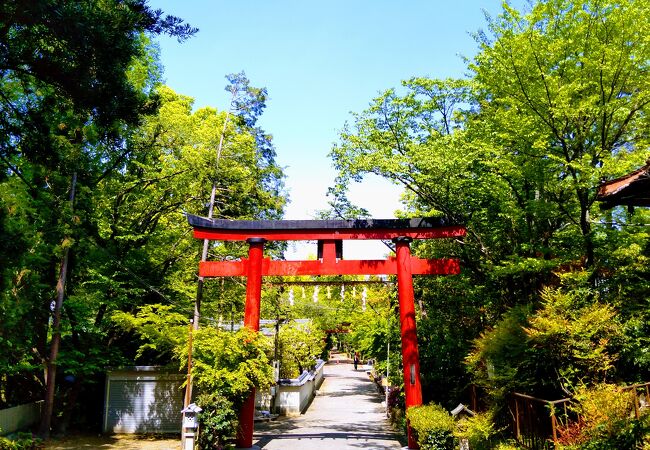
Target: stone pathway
(345,414)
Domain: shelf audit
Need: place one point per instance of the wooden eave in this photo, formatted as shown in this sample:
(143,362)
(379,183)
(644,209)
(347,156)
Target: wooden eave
(630,190)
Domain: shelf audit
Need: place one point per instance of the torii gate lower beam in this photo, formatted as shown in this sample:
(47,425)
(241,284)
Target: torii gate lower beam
(402,232)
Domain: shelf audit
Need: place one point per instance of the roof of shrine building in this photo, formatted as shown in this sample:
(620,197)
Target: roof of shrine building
(632,189)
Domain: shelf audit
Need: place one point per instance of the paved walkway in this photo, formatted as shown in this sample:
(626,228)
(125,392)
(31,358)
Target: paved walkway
(345,414)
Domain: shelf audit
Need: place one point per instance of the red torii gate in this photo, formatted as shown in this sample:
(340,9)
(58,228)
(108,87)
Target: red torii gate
(330,233)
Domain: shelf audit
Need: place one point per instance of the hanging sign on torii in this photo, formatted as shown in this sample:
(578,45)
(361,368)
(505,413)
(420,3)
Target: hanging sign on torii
(330,234)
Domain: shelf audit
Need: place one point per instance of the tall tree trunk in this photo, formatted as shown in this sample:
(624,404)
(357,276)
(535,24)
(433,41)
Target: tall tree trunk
(213,194)
(585,228)
(204,257)
(50,383)
(206,242)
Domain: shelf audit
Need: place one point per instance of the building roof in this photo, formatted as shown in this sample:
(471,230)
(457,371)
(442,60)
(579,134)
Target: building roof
(632,189)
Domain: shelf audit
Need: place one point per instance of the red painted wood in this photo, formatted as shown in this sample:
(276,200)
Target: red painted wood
(410,357)
(341,267)
(246,422)
(403,265)
(252,321)
(329,251)
(315,235)
(254,266)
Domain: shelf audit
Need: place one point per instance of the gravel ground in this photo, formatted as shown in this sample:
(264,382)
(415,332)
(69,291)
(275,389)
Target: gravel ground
(114,442)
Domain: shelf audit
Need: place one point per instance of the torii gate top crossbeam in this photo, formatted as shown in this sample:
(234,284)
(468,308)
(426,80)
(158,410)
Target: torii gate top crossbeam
(298,230)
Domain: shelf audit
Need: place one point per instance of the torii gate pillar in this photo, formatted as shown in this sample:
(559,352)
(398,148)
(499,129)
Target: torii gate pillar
(252,321)
(410,356)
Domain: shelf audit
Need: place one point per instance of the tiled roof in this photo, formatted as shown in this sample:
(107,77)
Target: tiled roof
(632,189)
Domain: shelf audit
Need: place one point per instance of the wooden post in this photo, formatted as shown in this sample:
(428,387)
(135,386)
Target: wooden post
(474,398)
(554,427)
(517,430)
(410,356)
(252,321)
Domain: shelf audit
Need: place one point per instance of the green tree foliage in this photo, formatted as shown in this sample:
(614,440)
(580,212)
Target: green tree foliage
(569,339)
(566,84)
(69,92)
(231,363)
(300,345)
(141,212)
(226,363)
(65,66)
(158,326)
(556,100)
(374,329)
(80,94)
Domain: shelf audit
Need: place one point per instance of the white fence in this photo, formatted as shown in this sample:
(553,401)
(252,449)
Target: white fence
(293,396)
(20,417)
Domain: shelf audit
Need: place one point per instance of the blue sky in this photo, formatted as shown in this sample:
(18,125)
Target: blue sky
(319,61)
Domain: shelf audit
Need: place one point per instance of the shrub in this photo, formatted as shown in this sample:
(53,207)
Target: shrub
(629,433)
(433,426)
(218,421)
(505,446)
(606,421)
(478,430)
(570,335)
(603,405)
(22,441)
(397,418)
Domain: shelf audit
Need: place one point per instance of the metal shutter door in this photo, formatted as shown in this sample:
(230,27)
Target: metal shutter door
(144,406)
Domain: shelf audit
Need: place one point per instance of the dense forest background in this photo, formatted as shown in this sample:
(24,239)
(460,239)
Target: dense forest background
(100,162)
(554,289)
